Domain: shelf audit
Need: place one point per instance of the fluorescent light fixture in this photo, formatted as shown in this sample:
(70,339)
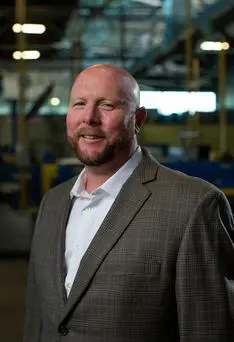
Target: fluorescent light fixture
(27,54)
(31,54)
(169,102)
(29,28)
(16,28)
(54,101)
(214,46)
(155,3)
(17,55)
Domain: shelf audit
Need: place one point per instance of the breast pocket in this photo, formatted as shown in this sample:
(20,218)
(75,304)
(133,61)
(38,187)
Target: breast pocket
(127,283)
(131,264)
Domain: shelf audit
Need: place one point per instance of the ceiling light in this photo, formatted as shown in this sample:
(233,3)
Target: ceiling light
(214,46)
(225,46)
(17,55)
(55,101)
(31,54)
(16,28)
(27,54)
(29,28)
(155,3)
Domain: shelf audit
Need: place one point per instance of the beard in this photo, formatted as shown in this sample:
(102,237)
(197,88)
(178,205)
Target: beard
(103,156)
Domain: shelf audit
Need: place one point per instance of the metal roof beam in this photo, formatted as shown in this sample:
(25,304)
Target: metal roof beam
(201,23)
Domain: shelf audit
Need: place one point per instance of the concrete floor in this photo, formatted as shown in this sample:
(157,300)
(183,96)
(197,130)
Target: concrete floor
(15,236)
(13,279)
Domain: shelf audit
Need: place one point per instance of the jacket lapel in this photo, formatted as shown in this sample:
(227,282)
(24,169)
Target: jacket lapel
(128,203)
(60,261)
(56,263)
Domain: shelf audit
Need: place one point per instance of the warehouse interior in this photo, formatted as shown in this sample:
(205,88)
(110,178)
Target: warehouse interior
(181,54)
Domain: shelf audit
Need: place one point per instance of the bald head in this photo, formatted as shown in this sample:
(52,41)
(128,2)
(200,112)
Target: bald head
(117,76)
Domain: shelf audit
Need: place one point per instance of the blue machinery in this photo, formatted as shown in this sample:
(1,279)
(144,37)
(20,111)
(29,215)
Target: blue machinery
(42,177)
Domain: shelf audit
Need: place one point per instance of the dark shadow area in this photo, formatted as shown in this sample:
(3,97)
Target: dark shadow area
(15,238)
(13,277)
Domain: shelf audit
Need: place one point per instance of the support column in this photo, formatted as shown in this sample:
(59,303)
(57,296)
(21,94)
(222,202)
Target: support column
(122,35)
(189,43)
(22,141)
(196,87)
(222,97)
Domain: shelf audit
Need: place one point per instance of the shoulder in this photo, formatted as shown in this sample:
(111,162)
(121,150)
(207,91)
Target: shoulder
(186,189)
(53,203)
(166,174)
(184,198)
(56,197)
(172,183)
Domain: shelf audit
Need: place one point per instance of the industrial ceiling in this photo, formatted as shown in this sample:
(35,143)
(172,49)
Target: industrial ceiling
(148,37)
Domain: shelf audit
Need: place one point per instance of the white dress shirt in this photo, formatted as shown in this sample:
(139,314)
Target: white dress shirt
(88,213)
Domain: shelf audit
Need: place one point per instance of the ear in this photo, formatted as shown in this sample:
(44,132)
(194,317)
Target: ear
(140,117)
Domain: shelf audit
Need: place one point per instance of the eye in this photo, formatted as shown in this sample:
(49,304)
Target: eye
(107,105)
(79,103)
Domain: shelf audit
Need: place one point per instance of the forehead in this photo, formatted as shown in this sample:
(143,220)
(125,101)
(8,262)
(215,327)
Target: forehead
(101,82)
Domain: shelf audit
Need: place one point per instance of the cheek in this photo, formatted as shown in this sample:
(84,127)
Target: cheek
(114,131)
(72,122)
(114,125)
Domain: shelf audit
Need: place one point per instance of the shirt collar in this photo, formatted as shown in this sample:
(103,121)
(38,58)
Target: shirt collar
(112,185)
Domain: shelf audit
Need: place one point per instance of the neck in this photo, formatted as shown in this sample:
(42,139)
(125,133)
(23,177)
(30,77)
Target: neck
(97,175)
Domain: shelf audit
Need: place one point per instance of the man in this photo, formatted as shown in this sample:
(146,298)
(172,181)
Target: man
(130,250)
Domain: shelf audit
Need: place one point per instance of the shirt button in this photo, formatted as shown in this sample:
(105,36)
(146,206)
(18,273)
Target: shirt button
(63,330)
(87,210)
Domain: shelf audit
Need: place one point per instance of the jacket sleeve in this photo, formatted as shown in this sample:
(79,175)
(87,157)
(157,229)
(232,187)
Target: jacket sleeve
(33,318)
(205,273)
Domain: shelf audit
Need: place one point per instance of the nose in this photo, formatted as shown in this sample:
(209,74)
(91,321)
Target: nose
(91,116)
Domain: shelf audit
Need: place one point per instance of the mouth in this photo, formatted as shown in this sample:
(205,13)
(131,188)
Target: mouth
(91,137)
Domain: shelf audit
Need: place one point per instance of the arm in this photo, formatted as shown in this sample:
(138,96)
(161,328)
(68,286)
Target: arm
(33,311)
(33,319)
(205,273)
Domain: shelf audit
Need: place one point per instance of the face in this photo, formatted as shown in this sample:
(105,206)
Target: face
(101,117)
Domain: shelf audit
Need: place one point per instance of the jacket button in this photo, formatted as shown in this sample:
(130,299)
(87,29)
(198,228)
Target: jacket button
(63,330)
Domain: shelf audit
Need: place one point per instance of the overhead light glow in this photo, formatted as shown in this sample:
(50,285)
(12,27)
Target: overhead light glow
(16,28)
(169,102)
(55,101)
(155,3)
(29,28)
(27,54)
(17,55)
(33,28)
(214,46)
(31,54)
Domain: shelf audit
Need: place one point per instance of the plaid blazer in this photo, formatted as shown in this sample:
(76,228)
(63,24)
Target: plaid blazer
(160,268)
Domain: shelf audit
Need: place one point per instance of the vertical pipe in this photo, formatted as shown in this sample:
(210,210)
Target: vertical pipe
(20,16)
(222,96)
(14,124)
(188,51)
(77,53)
(196,86)
(122,35)
(189,42)
(77,57)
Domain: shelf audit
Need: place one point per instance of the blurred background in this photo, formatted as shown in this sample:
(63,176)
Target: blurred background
(180,52)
